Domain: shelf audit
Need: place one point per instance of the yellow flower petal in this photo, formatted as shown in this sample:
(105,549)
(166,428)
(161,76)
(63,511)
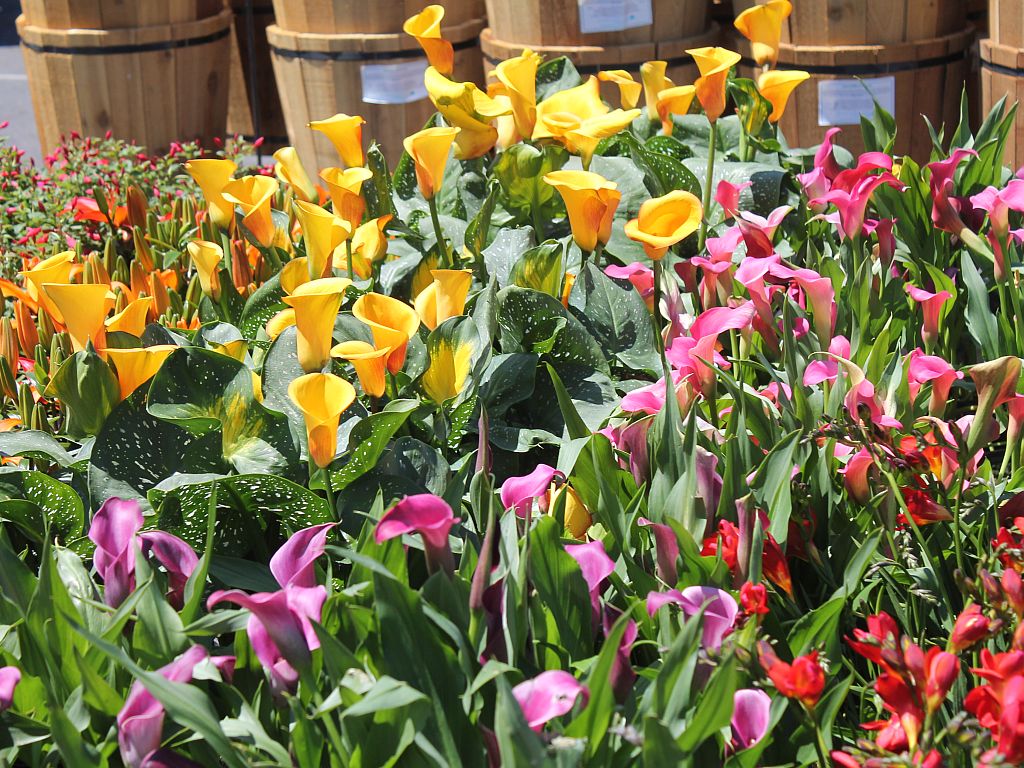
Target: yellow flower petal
(714,65)
(392,323)
(345,188)
(206,258)
(519,76)
(370,364)
(322,232)
(254,195)
(322,398)
(776,86)
(84,308)
(137,366)
(212,176)
(56,269)
(289,169)
(132,319)
(316,306)
(425,26)
(346,134)
(665,221)
(590,200)
(429,151)
(762,26)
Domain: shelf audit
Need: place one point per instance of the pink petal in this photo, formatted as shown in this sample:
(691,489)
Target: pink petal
(750,717)
(9,679)
(549,695)
(593,561)
(426,514)
(519,492)
(292,564)
(274,612)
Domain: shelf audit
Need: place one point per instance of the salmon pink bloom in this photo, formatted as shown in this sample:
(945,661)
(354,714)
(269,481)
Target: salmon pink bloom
(998,203)
(855,475)
(549,695)
(727,195)
(640,276)
(758,232)
(818,371)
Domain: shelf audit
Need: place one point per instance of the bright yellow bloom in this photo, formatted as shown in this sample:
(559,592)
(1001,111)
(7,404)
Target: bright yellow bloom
(450,359)
(590,201)
(714,65)
(570,281)
(345,188)
(212,176)
(429,150)
(132,319)
(762,26)
(568,109)
(506,124)
(576,515)
(293,274)
(445,297)
(322,232)
(421,276)
(371,364)
(346,134)
(584,139)
(674,101)
(56,269)
(369,245)
(322,398)
(629,89)
(84,308)
(254,195)
(519,76)
(665,221)
(653,75)
(392,322)
(289,169)
(316,306)
(467,108)
(776,86)
(279,322)
(236,349)
(137,366)
(425,26)
(206,258)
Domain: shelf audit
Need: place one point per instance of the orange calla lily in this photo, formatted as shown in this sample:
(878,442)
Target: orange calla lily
(371,364)
(714,65)
(289,169)
(584,139)
(776,86)
(132,319)
(665,221)
(346,134)
(137,366)
(762,26)
(322,232)
(629,89)
(212,176)
(392,323)
(445,297)
(254,195)
(590,200)
(674,101)
(652,73)
(467,108)
(316,306)
(519,76)
(369,245)
(322,398)
(425,26)
(568,109)
(345,189)
(84,308)
(56,269)
(293,274)
(206,257)
(429,150)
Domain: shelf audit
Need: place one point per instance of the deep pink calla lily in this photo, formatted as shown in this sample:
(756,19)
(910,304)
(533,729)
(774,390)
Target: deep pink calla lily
(931,307)
(177,557)
(640,276)
(719,617)
(818,371)
(9,679)
(750,717)
(549,695)
(430,517)
(595,565)
(998,203)
(851,192)
(518,493)
(293,564)
(666,548)
(945,207)
(922,369)
(727,195)
(113,531)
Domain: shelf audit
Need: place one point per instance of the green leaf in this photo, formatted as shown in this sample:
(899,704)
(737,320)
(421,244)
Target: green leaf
(774,483)
(980,320)
(370,439)
(540,268)
(518,746)
(35,445)
(53,504)
(561,588)
(262,305)
(574,425)
(88,390)
(820,627)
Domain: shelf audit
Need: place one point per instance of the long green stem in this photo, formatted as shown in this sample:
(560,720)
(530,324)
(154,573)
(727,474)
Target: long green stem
(819,741)
(708,177)
(326,475)
(659,339)
(348,254)
(442,245)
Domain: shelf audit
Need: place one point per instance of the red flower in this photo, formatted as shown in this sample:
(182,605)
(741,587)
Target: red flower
(971,627)
(882,633)
(773,561)
(754,598)
(923,510)
(803,680)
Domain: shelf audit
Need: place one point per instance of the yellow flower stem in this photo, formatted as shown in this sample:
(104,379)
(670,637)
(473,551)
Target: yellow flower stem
(442,246)
(712,146)
(348,253)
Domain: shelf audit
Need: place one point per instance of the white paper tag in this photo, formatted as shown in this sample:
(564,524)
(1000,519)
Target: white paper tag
(842,102)
(400,83)
(614,15)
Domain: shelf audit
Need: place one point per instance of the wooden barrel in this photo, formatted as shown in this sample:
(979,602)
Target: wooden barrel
(602,23)
(908,79)
(154,85)
(977,16)
(722,12)
(869,22)
(358,17)
(254,109)
(376,76)
(1006,22)
(1002,74)
(592,59)
(115,14)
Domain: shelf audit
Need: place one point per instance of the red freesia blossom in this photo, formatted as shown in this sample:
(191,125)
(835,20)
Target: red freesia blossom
(754,598)
(803,680)
(773,561)
(923,510)
(971,627)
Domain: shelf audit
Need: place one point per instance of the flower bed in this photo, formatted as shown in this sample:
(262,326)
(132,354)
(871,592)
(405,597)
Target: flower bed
(643,439)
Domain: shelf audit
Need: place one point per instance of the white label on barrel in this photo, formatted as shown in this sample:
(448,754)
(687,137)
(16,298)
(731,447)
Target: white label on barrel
(400,83)
(842,102)
(614,15)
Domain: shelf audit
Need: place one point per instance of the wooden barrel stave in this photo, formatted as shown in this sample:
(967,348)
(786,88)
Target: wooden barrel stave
(339,17)
(1002,75)
(116,14)
(1006,23)
(254,110)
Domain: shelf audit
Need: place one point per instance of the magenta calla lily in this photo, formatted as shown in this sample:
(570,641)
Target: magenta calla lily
(922,369)
(428,515)
(549,695)
(177,557)
(727,195)
(751,715)
(946,209)
(666,549)
(595,565)
(9,679)
(932,305)
(518,493)
(818,371)
(851,191)
(293,564)
(719,616)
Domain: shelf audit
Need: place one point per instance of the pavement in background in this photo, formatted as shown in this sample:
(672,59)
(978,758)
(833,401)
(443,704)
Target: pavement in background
(15,104)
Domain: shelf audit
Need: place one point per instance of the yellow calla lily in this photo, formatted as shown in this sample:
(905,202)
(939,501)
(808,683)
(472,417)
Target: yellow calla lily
(582,103)
(236,349)
(392,323)
(132,319)
(137,366)
(290,170)
(346,134)
(577,517)
(371,364)
(506,124)
(674,101)
(652,73)
(322,398)
(584,139)
(369,245)
(776,86)
(451,357)
(467,108)
(714,64)
(316,306)
(629,89)
(425,26)
(84,308)
(762,26)
(445,297)
(56,269)
(665,221)
(590,200)
(429,150)
(519,76)
(345,188)
(293,274)
(279,322)
(206,258)
(254,195)
(212,176)
(322,232)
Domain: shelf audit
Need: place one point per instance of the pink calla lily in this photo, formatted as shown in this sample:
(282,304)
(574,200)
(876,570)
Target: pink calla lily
(727,195)
(9,679)
(177,557)
(293,564)
(595,565)
(751,715)
(430,517)
(666,547)
(549,695)
(719,616)
(932,305)
(640,276)
(922,369)
(518,493)
(818,371)
(945,208)
(998,203)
